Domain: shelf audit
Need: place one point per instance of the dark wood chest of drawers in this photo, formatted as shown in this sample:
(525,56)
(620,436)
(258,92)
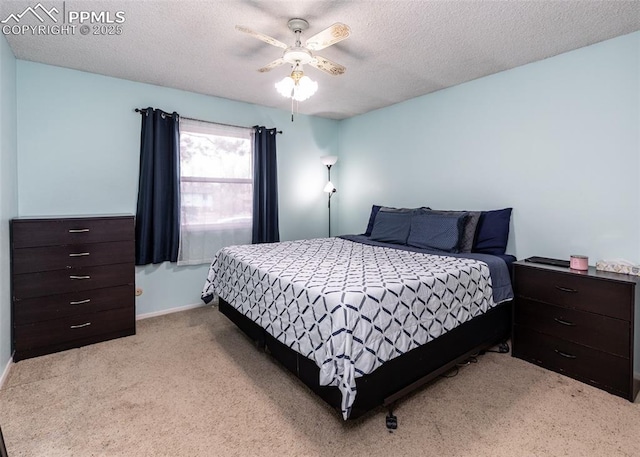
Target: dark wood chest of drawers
(581,324)
(72,282)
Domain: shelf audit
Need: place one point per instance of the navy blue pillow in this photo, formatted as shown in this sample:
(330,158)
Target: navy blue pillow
(493,232)
(437,230)
(372,218)
(374,213)
(468,235)
(391,226)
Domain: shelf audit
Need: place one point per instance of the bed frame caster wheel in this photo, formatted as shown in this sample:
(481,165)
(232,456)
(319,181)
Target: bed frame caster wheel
(392,422)
(503,348)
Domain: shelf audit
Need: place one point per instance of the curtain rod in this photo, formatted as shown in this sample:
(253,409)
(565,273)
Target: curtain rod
(142,110)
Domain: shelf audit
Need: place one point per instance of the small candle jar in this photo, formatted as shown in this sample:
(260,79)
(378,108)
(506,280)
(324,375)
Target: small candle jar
(579,262)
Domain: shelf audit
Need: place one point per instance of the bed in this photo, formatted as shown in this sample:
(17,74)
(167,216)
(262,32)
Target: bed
(363,319)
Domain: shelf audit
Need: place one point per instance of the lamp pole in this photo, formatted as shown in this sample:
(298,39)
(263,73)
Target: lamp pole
(329,200)
(329,188)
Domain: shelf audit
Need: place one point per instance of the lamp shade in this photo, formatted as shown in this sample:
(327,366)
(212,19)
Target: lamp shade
(329,160)
(329,188)
(285,87)
(305,88)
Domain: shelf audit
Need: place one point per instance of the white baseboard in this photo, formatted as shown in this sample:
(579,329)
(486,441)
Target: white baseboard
(170,311)
(5,372)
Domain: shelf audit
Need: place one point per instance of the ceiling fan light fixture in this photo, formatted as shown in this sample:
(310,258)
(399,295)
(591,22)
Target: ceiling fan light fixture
(297,86)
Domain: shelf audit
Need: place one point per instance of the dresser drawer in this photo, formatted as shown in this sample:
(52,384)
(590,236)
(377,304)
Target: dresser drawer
(30,285)
(599,332)
(51,232)
(598,368)
(610,298)
(52,307)
(46,258)
(72,328)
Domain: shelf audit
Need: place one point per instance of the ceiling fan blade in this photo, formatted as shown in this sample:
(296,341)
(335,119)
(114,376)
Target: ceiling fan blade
(324,64)
(331,35)
(271,66)
(262,36)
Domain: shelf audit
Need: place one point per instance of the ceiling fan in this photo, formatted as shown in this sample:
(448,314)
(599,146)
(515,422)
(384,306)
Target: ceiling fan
(298,55)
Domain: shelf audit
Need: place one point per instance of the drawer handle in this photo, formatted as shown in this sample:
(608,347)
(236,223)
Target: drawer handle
(563,322)
(79,277)
(79,254)
(78,230)
(564,354)
(86,324)
(80,302)
(566,289)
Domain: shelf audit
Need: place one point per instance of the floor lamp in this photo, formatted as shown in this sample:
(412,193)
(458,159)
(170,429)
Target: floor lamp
(329,188)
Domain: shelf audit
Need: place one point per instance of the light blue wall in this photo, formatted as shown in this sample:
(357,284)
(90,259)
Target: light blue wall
(8,189)
(79,150)
(558,140)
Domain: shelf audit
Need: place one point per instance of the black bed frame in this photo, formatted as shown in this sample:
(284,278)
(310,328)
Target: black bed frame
(400,375)
(3,449)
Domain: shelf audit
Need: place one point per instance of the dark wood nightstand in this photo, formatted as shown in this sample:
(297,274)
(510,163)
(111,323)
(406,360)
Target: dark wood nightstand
(580,324)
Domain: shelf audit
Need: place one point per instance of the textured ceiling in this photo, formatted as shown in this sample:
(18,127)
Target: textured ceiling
(397,50)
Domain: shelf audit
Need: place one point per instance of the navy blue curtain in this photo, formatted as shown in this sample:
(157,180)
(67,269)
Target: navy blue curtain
(265,186)
(158,212)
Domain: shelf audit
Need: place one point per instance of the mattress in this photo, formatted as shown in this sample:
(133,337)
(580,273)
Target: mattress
(351,306)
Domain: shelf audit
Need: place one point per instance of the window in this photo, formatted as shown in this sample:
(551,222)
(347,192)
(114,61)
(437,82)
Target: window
(216,185)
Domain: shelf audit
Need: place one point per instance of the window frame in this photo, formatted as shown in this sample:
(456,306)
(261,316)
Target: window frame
(204,125)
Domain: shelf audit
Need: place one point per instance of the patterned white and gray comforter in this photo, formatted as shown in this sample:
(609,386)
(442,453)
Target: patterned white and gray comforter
(348,306)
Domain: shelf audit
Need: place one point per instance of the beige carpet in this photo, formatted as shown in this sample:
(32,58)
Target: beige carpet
(190,384)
